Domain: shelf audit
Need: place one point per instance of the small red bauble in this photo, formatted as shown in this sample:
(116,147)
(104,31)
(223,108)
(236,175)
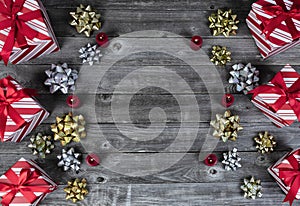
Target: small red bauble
(92,160)
(211,160)
(102,39)
(73,101)
(196,43)
(227,100)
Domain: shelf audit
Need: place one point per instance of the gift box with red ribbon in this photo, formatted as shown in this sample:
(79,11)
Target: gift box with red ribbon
(286,172)
(25,184)
(279,100)
(20,113)
(26,32)
(274,25)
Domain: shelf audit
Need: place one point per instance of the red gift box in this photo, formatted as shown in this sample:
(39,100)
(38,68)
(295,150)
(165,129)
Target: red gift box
(26,32)
(20,113)
(279,100)
(274,25)
(25,184)
(287,175)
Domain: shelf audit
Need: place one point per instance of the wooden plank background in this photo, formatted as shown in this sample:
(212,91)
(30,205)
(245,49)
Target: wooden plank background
(188,182)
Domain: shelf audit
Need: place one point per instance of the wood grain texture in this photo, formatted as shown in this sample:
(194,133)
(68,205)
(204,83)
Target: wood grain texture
(187,182)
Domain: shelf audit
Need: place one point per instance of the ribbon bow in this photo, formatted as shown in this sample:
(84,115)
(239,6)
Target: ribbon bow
(25,183)
(289,95)
(8,95)
(19,29)
(291,177)
(280,14)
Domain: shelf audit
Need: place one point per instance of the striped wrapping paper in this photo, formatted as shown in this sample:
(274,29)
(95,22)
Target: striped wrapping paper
(280,39)
(285,116)
(31,111)
(44,43)
(283,163)
(19,199)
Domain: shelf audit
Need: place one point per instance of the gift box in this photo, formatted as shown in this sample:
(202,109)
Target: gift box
(25,184)
(286,173)
(274,25)
(26,32)
(20,113)
(279,100)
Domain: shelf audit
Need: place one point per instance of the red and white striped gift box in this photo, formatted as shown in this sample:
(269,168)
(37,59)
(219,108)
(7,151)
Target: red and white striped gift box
(43,179)
(44,43)
(281,38)
(285,115)
(283,163)
(30,110)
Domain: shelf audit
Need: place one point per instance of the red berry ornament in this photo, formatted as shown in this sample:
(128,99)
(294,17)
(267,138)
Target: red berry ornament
(211,160)
(227,100)
(102,39)
(73,101)
(196,43)
(92,160)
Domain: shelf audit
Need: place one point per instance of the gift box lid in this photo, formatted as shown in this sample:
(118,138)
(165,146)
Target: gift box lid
(26,106)
(278,99)
(43,180)
(283,163)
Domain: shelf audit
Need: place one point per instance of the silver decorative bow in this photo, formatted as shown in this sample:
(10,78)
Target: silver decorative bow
(231,160)
(61,77)
(244,77)
(69,160)
(90,54)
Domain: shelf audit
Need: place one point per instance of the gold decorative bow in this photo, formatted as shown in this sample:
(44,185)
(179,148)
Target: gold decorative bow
(76,190)
(226,126)
(69,128)
(220,55)
(223,22)
(265,142)
(85,20)
(41,145)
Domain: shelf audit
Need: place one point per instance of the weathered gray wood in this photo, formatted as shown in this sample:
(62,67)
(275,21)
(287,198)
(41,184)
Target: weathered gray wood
(155,5)
(116,22)
(248,53)
(108,136)
(33,76)
(187,182)
(168,194)
(142,104)
(186,170)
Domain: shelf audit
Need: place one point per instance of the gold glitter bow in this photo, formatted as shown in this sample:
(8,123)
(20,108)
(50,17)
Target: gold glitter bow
(41,145)
(69,128)
(223,22)
(252,188)
(265,142)
(226,126)
(76,190)
(86,20)
(220,55)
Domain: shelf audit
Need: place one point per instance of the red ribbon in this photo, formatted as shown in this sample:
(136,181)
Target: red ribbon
(286,94)
(25,183)
(281,14)
(291,177)
(19,29)
(8,95)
